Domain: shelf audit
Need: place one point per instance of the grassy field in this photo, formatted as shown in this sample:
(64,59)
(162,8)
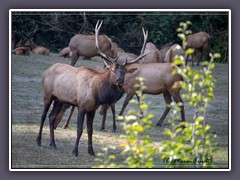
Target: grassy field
(27,105)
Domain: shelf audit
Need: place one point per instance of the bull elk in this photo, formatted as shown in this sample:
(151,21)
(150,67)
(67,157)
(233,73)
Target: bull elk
(84,88)
(84,45)
(198,41)
(36,49)
(159,80)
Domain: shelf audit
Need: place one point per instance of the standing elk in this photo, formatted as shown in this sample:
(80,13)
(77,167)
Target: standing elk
(198,41)
(175,50)
(163,51)
(36,49)
(158,80)
(153,56)
(84,45)
(117,52)
(84,88)
(65,52)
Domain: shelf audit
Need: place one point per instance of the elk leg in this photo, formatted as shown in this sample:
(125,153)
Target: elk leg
(114,119)
(69,117)
(52,116)
(80,120)
(47,103)
(138,98)
(186,60)
(168,100)
(103,112)
(90,117)
(177,98)
(74,58)
(60,115)
(127,99)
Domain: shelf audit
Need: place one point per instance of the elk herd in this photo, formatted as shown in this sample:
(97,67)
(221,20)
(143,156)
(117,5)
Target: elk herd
(87,89)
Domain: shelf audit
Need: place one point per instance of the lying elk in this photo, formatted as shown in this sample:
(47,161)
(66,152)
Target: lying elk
(198,41)
(36,49)
(65,52)
(84,88)
(84,45)
(21,49)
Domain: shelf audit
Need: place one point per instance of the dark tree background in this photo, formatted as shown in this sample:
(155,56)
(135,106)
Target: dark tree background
(55,29)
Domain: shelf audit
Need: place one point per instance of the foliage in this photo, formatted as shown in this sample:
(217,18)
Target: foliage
(138,147)
(54,29)
(190,143)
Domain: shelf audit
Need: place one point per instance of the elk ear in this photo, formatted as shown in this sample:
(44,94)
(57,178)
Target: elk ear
(131,70)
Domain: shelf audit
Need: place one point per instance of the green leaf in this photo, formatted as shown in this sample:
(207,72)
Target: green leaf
(189,51)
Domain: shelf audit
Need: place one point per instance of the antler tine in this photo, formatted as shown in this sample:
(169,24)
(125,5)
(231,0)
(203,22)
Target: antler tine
(145,34)
(142,54)
(104,56)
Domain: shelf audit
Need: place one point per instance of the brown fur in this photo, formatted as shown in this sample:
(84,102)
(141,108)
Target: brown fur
(81,87)
(153,56)
(198,41)
(84,45)
(36,49)
(175,50)
(163,52)
(22,51)
(66,52)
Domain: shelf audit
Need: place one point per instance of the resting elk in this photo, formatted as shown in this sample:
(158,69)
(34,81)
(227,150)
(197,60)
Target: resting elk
(36,49)
(84,45)
(198,41)
(21,49)
(84,88)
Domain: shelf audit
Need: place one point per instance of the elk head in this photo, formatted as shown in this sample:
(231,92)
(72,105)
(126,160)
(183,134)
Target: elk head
(117,70)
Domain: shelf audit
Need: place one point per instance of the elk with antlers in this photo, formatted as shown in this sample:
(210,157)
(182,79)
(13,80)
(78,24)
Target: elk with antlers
(84,88)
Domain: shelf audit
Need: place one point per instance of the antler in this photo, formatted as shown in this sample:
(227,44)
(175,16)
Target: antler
(104,56)
(142,54)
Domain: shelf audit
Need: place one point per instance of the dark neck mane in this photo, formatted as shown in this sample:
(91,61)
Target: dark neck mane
(108,93)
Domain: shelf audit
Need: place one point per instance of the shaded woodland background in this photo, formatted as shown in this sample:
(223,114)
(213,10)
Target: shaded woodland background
(55,29)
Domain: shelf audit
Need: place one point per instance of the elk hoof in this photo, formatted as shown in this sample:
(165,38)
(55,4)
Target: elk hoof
(158,124)
(53,145)
(75,152)
(65,127)
(38,140)
(92,153)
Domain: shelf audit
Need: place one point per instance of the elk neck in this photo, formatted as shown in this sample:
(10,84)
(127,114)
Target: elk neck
(107,90)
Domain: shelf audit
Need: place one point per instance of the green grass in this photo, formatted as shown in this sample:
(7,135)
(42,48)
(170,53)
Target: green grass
(27,106)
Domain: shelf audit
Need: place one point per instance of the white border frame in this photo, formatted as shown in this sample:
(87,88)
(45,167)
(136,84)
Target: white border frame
(118,10)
